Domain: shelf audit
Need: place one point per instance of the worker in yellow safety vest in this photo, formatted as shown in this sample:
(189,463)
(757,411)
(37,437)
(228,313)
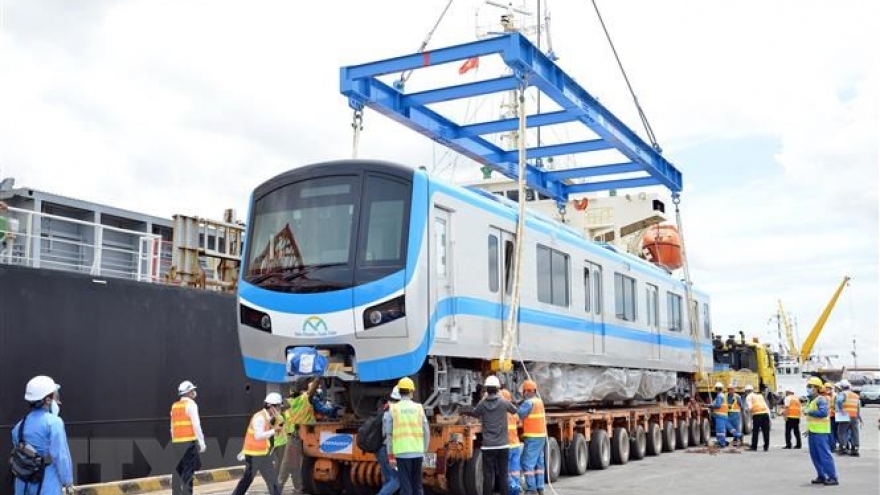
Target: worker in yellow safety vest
(406,432)
(734,414)
(848,419)
(300,410)
(187,438)
(819,429)
(258,445)
(531,411)
(514,449)
(792,408)
(760,412)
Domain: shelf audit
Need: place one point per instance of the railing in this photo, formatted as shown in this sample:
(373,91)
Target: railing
(42,240)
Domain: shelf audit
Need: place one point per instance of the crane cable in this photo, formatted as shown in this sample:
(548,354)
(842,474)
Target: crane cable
(642,116)
(404,76)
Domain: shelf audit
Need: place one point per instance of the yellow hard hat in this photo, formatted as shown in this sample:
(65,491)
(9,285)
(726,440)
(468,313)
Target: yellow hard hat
(406,384)
(815,382)
(829,385)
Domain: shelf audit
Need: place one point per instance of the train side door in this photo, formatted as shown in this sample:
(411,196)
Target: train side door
(652,307)
(442,280)
(594,307)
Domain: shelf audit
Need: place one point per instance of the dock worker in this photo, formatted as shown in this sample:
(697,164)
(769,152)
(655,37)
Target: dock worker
(792,408)
(493,411)
(719,414)
(818,429)
(760,417)
(390,483)
(849,417)
(187,438)
(44,431)
(514,449)
(829,392)
(734,414)
(406,432)
(301,410)
(535,438)
(258,445)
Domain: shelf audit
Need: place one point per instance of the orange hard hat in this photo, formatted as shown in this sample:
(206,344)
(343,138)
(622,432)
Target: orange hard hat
(530,385)
(506,394)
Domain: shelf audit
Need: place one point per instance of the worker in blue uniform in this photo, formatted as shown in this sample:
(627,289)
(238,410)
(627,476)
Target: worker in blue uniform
(734,414)
(44,431)
(719,414)
(819,429)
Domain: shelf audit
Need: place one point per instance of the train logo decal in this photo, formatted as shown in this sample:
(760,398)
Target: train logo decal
(332,443)
(314,325)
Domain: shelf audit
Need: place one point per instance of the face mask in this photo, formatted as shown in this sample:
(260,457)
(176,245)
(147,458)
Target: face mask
(195,394)
(55,408)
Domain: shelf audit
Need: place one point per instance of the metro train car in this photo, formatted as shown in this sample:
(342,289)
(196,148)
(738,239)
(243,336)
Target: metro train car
(388,272)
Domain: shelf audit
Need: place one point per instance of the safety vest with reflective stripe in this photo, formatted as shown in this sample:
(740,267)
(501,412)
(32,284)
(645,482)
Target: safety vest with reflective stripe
(817,425)
(301,412)
(512,433)
(851,405)
(252,446)
(533,424)
(407,432)
(793,409)
(280,440)
(831,403)
(181,425)
(733,407)
(758,405)
(721,411)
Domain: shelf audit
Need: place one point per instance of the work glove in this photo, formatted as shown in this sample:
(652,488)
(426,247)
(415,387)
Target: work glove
(202,448)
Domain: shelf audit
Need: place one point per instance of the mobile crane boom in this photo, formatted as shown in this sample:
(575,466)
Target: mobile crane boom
(789,334)
(820,323)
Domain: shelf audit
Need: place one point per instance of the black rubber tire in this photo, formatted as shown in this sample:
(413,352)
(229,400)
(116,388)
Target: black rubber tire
(705,431)
(638,444)
(620,446)
(668,437)
(316,487)
(681,434)
(473,474)
(655,439)
(600,449)
(552,460)
(455,478)
(576,456)
(693,433)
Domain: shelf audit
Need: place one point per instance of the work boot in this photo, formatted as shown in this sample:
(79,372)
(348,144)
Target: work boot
(831,482)
(854,452)
(540,491)
(818,481)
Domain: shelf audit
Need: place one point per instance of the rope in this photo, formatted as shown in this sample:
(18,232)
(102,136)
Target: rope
(642,116)
(689,295)
(405,75)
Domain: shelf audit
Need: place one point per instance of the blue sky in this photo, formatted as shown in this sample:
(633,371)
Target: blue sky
(770,109)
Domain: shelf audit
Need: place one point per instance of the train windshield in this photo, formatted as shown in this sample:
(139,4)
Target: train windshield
(328,233)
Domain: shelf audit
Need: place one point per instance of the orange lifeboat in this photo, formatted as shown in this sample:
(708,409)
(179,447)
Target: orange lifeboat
(661,245)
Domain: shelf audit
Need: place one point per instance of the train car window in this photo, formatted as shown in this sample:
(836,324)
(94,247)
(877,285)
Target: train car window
(597,291)
(625,297)
(707,326)
(385,202)
(508,266)
(695,310)
(545,287)
(673,308)
(553,276)
(587,289)
(652,305)
(513,195)
(493,263)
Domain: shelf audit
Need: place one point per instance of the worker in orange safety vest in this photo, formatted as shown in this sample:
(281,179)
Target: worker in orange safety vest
(258,446)
(186,438)
(531,411)
(792,408)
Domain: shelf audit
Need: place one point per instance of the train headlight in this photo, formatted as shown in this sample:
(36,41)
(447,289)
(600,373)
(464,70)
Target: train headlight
(386,312)
(255,319)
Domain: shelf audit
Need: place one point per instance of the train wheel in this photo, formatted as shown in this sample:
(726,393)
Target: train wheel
(705,431)
(455,478)
(681,434)
(693,433)
(668,437)
(576,456)
(553,461)
(638,444)
(600,450)
(655,439)
(473,474)
(620,446)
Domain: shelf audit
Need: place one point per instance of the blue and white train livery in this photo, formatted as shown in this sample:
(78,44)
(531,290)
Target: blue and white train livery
(390,272)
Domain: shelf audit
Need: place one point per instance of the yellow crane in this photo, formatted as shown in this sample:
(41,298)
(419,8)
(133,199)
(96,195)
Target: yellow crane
(820,323)
(789,334)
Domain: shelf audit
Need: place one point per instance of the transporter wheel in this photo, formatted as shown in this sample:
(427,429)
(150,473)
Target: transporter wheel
(455,478)
(552,460)
(693,433)
(638,444)
(705,431)
(473,474)
(655,439)
(668,437)
(620,446)
(576,456)
(349,486)
(681,434)
(600,449)
(308,479)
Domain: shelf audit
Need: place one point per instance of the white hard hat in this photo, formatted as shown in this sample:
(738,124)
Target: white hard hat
(749,387)
(185,387)
(395,393)
(273,398)
(789,389)
(493,381)
(844,383)
(719,385)
(39,387)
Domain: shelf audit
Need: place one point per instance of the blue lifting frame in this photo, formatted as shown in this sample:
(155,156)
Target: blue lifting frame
(530,67)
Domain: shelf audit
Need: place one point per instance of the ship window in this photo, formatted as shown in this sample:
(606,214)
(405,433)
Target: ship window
(552,276)
(493,263)
(625,297)
(673,309)
(652,305)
